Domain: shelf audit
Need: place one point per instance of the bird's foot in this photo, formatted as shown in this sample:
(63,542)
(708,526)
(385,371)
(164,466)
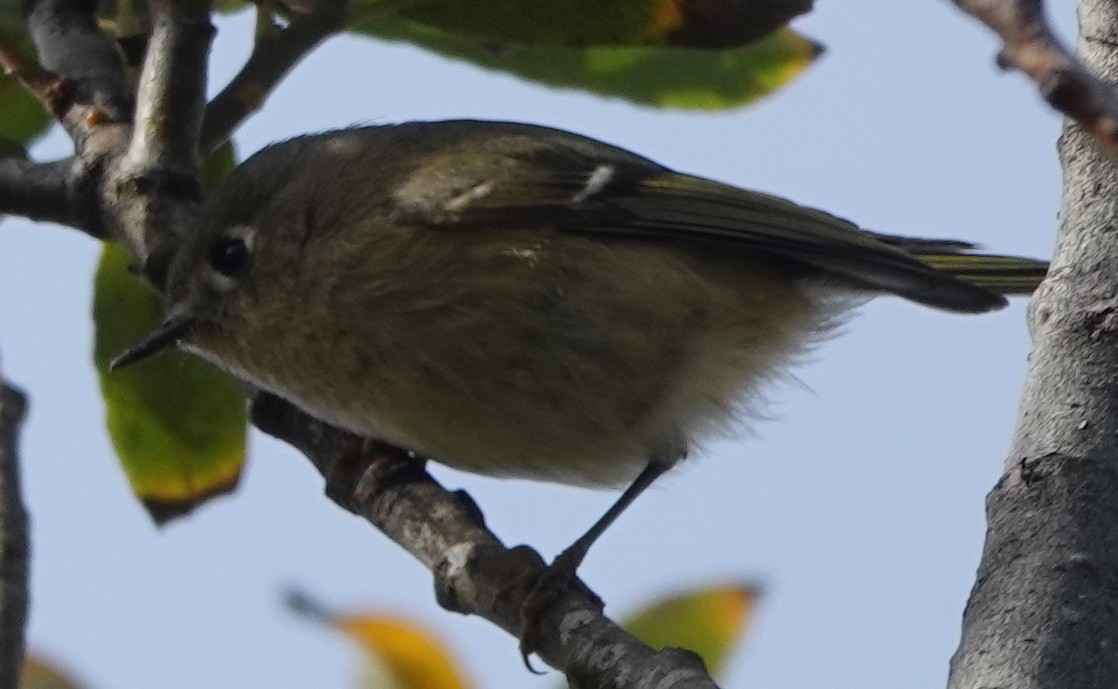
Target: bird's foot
(545,587)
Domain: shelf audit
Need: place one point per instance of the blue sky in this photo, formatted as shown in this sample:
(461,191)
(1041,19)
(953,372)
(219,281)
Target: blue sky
(858,504)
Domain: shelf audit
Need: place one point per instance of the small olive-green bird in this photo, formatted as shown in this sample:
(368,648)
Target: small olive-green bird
(520,301)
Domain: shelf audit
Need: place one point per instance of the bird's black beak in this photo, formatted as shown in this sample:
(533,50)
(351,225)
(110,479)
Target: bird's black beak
(169,334)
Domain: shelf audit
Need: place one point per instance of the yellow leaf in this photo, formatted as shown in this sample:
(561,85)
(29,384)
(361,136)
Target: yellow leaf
(412,655)
(39,673)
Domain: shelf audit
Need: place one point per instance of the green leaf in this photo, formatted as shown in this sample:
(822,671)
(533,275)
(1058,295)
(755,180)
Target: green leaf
(218,166)
(178,424)
(708,621)
(230,6)
(708,24)
(22,117)
(675,77)
(549,22)
(12,17)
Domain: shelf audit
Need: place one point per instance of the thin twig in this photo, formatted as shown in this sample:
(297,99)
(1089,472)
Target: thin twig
(1030,45)
(49,191)
(272,58)
(92,89)
(15,544)
(49,87)
(91,100)
(474,572)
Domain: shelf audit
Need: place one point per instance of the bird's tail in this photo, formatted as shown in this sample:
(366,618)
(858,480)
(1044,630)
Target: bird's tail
(993,272)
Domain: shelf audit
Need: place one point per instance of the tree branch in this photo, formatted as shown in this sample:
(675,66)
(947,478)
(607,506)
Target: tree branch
(92,89)
(153,192)
(474,572)
(90,98)
(272,58)
(1031,46)
(1042,611)
(148,194)
(48,87)
(170,103)
(42,191)
(15,546)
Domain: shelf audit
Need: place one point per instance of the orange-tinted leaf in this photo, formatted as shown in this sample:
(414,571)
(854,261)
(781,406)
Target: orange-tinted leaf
(588,23)
(402,654)
(577,23)
(728,23)
(411,655)
(675,77)
(43,674)
(707,621)
(178,424)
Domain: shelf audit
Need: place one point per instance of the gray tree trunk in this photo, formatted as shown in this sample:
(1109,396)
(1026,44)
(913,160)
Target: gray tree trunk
(1044,609)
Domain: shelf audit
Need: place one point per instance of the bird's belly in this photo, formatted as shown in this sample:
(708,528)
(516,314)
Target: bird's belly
(580,370)
(555,413)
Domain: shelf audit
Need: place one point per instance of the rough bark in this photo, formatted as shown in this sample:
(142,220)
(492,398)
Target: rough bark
(1043,610)
(474,572)
(15,545)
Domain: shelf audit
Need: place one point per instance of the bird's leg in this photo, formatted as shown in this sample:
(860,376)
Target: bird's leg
(562,571)
(573,555)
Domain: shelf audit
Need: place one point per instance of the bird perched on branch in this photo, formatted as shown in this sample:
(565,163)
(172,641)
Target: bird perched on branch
(520,301)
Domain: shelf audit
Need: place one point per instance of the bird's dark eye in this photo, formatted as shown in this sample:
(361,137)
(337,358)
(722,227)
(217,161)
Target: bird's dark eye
(228,255)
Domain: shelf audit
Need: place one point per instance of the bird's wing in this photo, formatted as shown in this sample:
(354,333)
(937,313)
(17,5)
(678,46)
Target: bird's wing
(627,196)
